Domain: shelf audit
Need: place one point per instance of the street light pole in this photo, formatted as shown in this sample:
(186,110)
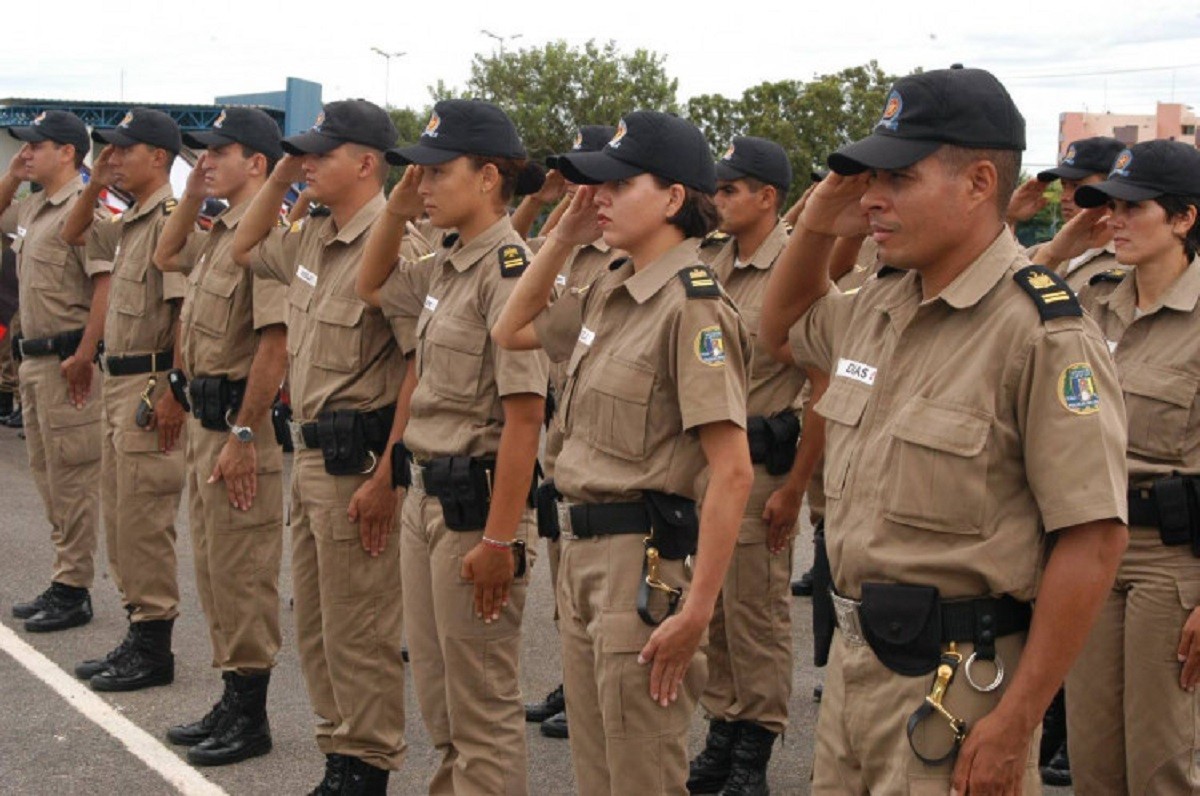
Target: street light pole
(387,71)
(500,38)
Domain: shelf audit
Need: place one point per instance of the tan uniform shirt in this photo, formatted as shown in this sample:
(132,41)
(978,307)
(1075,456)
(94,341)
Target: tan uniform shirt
(1080,270)
(958,428)
(55,279)
(454,298)
(141,315)
(1158,364)
(647,365)
(342,354)
(774,387)
(225,304)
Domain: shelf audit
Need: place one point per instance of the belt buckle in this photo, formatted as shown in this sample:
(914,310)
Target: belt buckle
(564,520)
(21,348)
(297,435)
(848,619)
(417,473)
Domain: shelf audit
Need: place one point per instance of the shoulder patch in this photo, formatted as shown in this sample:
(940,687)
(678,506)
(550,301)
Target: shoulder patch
(699,281)
(617,263)
(168,206)
(449,239)
(1053,297)
(297,225)
(887,270)
(513,260)
(1113,275)
(715,238)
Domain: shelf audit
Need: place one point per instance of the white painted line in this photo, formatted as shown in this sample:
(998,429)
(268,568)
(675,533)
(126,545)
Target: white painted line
(140,743)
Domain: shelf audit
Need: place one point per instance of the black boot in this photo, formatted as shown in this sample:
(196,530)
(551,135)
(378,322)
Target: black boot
(28,609)
(94,666)
(15,420)
(197,731)
(67,606)
(751,753)
(1057,772)
(540,711)
(335,775)
(244,731)
(148,662)
(556,726)
(708,772)
(363,779)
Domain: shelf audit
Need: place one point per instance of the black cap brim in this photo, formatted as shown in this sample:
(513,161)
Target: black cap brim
(728,172)
(593,168)
(30,135)
(114,136)
(1099,193)
(420,155)
(880,152)
(310,143)
(206,139)
(1064,173)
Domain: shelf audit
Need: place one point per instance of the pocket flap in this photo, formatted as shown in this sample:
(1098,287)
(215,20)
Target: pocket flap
(1161,384)
(458,334)
(221,283)
(843,402)
(67,416)
(952,429)
(623,380)
(48,252)
(299,294)
(623,632)
(340,311)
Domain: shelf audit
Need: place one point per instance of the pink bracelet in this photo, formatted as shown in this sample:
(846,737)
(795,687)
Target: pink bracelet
(496,543)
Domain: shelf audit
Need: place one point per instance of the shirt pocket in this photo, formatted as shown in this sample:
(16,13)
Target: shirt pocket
(842,405)
(617,407)
(128,286)
(46,264)
(570,384)
(1158,403)
(453,356)
(299,297)
(213,302)
(337,340)
(939,470)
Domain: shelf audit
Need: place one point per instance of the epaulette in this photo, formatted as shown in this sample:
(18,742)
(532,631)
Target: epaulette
(888,270)
(513,260)
(714,238)
(617,263)
(699,281)
(168,206)
(319,211)
(1053,297)
(1114,275)
(449,240)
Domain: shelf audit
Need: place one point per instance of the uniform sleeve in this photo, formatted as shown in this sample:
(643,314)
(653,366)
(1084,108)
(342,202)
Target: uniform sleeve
(174,283)
(402,298)
(710,363)
(269,298)
(813,339)
(190,252)
(102,238)
(274,257)
(516,371)
(558,326)
(8,220)
(1071,416)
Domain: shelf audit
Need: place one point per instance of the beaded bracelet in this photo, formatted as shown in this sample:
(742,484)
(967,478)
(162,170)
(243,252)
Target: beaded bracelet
(497,543)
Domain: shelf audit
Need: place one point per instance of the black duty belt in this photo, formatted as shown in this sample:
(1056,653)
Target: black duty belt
(589,520)
(138,363)
(61,345)
(1171,505)
(377,427)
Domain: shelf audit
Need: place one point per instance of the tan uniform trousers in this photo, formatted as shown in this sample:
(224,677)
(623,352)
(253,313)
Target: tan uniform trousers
(466,672)
(141,488)
(349,619)
(1131,728)
(750,638)
(861,743)
(237,553)
(554,557)
(64,457)
(622,741)
(9,380)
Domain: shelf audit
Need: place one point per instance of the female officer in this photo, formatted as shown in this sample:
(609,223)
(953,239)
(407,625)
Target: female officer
(656,388)
(474,420)
(1132,712)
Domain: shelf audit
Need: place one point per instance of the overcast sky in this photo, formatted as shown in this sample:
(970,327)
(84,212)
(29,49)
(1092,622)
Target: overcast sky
(1054,57)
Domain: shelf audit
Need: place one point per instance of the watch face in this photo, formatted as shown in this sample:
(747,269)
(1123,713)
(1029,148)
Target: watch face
(243,434)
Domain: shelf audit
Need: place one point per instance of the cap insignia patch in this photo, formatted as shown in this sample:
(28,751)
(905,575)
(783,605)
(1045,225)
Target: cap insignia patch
(431,128)
(578,143)
(1121,166)
(1077,390)
(615,143)
(891,111)
(41,117)
(320,121)
(1069,158)
(219,121)
(126,120)
(728,153)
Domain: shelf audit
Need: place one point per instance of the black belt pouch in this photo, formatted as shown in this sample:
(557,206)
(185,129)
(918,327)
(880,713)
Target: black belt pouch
(675,524)
(903,626)
(1174,519)
(281,413)
(784,431)
(343,443)
(208,403)
(460,484)
(546,509)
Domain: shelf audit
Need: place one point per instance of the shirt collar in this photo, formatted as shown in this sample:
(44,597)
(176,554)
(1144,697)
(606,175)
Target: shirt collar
(230,216)
(66,192)
(359,223)
(1185,292)
(983,274)
(648,281)
(462,257)
(767,252)
(140,209)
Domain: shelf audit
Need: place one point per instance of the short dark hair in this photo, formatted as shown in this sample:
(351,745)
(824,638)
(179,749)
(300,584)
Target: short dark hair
(510,171)
(755,185)
(697,216)
(1175,205)
(248,153)
(1006,161)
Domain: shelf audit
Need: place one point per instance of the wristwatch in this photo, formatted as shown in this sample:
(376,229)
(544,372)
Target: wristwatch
(242,433)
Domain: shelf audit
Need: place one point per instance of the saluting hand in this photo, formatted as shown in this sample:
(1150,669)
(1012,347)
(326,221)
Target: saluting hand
(578,226)
(491,569)
(1189,651)
(237,466)
(16,165)
(405,199)
(289,169)
(373,507)
(196,179)
(102,170)
(671,648)
(1087,230)
(1027,201)
(553,188)
(833,206)
(77,371)
(168,419)
(780,514)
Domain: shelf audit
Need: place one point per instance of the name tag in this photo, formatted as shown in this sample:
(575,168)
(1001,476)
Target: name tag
(1112,346)
(586,336)
(20,231)
(306,276)
(856,371)
(431,303)
(561,280)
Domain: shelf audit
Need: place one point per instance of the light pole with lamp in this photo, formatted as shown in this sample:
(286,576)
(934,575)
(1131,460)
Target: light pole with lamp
(500,38)
(387,72)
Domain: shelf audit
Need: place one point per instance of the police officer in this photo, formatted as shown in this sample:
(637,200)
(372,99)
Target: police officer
(63,301)
(972,412)
(749,641)
(475,418)
(234,342)
(143,457)
(344,376)
(1132,705)
(656,387)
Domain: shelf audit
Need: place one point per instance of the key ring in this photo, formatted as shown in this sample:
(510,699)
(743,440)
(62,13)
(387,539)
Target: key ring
(996,681)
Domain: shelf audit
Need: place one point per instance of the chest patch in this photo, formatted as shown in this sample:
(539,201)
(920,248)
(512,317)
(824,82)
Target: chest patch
(856,371)
(513,261)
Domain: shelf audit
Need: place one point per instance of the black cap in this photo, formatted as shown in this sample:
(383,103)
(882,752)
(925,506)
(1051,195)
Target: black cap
(1145,171)
(530,179)
(143,126)
(1084,158)
(462,127)
(61,127)
(964,107)
(759,158)
(353,121)
(816,175)
(249,127)
(588,138)
(647,142)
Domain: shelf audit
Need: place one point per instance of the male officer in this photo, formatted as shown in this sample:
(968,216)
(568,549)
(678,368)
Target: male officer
(750,642)
(345,372)
(143,461)
(234,345)
(972,410)
(63,301)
